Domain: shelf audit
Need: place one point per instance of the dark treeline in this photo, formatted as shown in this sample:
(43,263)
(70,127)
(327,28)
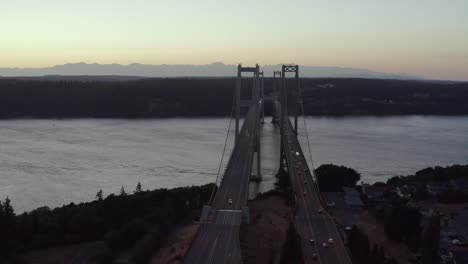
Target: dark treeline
(363,251)
(194,97)
(441,176)
(332,178)
(139,222)
(432,174)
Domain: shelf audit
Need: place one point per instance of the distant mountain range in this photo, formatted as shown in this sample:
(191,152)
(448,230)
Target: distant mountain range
(185,70)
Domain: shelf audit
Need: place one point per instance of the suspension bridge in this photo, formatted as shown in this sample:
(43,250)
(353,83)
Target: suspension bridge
(217,240)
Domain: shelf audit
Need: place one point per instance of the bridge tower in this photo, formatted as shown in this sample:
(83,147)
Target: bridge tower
(262,97)
(257,98)
(276,87)
(284,100)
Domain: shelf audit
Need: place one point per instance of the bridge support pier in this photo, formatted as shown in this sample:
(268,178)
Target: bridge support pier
(262,99)
(283,96)
(257,98)
(206,211)
(276,86)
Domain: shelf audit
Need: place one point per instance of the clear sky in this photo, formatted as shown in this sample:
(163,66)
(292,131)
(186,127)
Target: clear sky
(427,38)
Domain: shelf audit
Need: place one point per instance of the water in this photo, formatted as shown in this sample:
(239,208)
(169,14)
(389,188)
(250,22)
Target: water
(53,162)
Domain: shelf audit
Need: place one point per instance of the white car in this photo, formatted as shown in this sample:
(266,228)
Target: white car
(230,201)
(330,241)
(311,241)
(324,244)
(297,154)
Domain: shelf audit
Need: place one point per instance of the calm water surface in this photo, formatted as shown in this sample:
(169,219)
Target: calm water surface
(52,162)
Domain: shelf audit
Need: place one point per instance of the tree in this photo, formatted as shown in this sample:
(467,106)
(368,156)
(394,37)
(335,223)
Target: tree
(332,178)
(7,227)
(138,188)
(403,223)
(421,193)
(122,191)
(8,209)
(99,195)
(359,244)
(430,241)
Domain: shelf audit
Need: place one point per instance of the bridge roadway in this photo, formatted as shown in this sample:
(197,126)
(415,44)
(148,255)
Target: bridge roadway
(217,241)
(309,222)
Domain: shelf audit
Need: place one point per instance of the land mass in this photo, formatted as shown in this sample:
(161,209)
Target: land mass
(130,97)
(405,220)
(216,69)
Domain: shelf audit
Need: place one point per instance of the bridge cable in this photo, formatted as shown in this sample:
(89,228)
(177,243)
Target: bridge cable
(224,150)
(314,173)
(306,133)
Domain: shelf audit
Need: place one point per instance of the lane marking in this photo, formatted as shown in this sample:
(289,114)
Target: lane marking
(212,249)
(230,211)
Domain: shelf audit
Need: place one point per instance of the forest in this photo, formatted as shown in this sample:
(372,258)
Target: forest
(206,97)
(139,222)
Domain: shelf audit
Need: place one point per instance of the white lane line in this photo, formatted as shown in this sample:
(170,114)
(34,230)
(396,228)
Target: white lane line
(296,179)
(310,226)
(326,221)
(212,249)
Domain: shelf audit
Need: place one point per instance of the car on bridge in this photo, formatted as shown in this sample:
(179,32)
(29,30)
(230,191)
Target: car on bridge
(330,241)
(230,201)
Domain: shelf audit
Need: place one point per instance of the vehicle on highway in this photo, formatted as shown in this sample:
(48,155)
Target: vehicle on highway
(324,244)
(297,154)
(330,204)
(348,228)
(311,241)
(314,256)
(230,201)
(330,241)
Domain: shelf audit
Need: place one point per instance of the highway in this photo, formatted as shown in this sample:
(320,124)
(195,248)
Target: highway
(217,241)
(311,220)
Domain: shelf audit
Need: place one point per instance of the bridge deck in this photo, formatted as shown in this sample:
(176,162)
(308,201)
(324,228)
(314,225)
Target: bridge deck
(218,240)
(309,222)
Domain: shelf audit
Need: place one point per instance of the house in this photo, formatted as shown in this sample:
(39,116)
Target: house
(352,198)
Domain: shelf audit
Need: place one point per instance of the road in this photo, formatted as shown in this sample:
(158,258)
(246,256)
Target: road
(218,240)
(309,221)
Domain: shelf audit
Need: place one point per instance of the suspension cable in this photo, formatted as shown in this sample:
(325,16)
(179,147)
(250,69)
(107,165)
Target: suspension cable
(307,134)
(314,173)
(224,151)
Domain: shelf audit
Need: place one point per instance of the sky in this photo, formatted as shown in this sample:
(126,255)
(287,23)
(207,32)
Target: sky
(426,38)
